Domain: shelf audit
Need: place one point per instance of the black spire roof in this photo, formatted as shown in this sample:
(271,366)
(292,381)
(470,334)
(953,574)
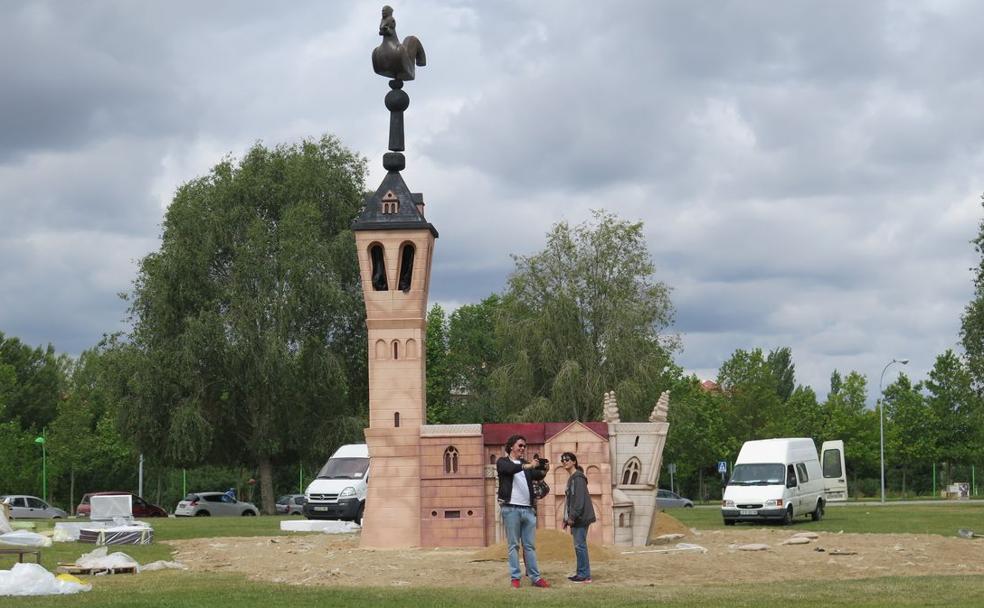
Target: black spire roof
(392,207)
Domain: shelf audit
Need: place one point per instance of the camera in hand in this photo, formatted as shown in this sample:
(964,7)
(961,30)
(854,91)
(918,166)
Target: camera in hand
(544,463)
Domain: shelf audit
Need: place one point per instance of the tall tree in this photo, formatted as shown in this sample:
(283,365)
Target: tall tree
(32,381)
(249,322)
(438,374)
(473,352)
(911,428)
(972,321)
(753,409)
(582,317)
(955,410)
(784,371)
(846,417)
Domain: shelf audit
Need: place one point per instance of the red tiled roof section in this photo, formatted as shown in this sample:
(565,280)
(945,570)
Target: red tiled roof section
(535,432)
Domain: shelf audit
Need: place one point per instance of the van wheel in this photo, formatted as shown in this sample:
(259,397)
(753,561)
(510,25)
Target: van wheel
(248,513)
(729,522)
(817,514)
(358,516)
(202,514)
(787,518)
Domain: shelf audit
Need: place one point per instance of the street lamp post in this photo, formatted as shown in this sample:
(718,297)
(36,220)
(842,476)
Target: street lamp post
(44,467)
(881,421)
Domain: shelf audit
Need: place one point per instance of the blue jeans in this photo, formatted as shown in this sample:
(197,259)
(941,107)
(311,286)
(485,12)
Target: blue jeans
(520,524)
(581,551)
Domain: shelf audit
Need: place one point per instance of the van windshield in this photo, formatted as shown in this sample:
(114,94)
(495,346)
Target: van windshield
(344,468)
(768,474)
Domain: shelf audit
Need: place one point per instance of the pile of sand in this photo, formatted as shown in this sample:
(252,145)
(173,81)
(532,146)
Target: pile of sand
(667,524)
(551,546)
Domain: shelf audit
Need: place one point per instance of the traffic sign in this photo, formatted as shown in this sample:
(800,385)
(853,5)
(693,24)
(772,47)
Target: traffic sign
(722,466)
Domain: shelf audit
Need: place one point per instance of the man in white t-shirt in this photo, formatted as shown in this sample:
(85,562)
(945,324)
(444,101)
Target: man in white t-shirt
(517,503)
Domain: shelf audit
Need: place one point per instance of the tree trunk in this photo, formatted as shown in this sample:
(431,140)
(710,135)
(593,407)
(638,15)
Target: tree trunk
(71,491)
(267,498)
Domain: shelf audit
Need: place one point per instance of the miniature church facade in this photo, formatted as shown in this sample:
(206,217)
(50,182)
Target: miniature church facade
(435,485)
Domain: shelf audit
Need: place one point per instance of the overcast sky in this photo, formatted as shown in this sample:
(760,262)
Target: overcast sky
(809,173)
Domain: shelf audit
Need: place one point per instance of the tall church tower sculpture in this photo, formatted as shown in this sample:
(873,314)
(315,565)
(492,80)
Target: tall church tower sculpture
(395,245)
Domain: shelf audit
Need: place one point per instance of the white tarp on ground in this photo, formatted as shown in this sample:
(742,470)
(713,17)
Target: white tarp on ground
(328,527)
(23,538)
(98,559)
(32,579)
(107,508)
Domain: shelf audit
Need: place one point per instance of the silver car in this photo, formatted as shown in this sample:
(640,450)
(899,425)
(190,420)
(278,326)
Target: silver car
(290,504)
(204,504)
(31,507)
(668,500)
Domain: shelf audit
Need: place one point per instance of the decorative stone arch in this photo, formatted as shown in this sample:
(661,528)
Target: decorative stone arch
(377,258)
(410,352)
(450,460)
(631,472)
(381,352)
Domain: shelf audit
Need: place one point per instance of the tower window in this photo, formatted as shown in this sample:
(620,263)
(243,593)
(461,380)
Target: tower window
(406,266)
(396,349)
(389,204)
(396,419)
(637,441)
(450,460)
(379,282)
(630,474)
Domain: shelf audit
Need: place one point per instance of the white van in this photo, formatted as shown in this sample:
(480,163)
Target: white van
(339,490)
(779,479)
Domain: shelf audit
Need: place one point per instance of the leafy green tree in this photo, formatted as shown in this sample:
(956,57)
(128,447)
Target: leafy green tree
(438,375)
(955,410)
(846,417)
(911,427)
(784,371)
(582,317)
(753,409)
(248,323)
(699,435)
(804,415)
(972,321)
(32,395)
(473,352)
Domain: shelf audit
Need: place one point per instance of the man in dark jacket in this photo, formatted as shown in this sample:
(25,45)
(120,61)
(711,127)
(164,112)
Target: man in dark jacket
(578,514)
(517,502)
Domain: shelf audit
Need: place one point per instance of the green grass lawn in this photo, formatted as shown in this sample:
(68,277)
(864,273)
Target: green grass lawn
(944,520)
(181,589)
(176,589)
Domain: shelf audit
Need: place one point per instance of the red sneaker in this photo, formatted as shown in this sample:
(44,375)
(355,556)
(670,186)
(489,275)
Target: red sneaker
(542,583)
(515,583)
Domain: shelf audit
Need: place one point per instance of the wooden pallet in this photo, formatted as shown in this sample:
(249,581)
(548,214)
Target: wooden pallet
(67,568)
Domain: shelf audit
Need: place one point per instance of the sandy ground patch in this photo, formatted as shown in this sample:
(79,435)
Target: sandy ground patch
(323,559)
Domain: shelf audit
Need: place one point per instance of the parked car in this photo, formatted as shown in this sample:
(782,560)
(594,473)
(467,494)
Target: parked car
(204,504)
(141,508)
(668,500)
(31,507)
(290,504)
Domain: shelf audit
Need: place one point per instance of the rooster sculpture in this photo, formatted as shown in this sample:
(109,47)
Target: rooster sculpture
(392,58)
